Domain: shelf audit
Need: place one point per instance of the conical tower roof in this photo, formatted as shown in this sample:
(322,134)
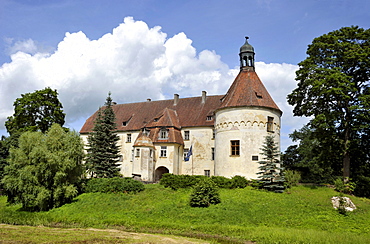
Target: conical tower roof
(248,90)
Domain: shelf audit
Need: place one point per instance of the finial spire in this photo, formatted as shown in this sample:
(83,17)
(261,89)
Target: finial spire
(246,55)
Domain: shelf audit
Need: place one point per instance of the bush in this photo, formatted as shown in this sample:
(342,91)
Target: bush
(112,185)
(180,181)
(342,187)
(238,182)
(204,194)
(222,182)
(292,178)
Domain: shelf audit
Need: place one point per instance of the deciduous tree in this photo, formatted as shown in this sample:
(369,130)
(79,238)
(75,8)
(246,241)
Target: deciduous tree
(44,171)
(36,111)
(333,88)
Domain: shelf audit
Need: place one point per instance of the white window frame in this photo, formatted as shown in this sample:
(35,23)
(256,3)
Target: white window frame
(163,151)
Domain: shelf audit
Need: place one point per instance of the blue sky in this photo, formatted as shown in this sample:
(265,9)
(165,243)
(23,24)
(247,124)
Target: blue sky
(41,39)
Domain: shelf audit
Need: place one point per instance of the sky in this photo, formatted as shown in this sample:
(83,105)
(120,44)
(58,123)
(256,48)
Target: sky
(155,48)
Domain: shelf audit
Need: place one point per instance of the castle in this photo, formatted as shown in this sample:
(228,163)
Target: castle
(207,135)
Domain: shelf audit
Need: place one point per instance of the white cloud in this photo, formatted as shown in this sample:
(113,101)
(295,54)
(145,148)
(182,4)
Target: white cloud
(134,62)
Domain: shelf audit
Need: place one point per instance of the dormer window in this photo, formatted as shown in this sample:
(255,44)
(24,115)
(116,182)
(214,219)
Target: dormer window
(146,132)
(124,123)
(156,119)
(209,118)
(163,134)
(258,95)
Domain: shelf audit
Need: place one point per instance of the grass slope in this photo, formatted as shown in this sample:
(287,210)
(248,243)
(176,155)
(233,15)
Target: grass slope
(305,215)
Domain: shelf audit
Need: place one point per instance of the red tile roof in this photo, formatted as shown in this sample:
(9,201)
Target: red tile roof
(189,112)
(248,90)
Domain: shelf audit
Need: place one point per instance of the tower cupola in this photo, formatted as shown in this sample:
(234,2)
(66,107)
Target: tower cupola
(246,56)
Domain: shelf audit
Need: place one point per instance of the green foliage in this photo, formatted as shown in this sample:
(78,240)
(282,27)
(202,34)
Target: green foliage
(362,186)
(44,171)
(344,187)
(313,158)
(176,182)
(292,178)
(114,185)
(36,111)
(222,182)
(103,151)
(204,194)
(272,177)
(334,89)
(239,182)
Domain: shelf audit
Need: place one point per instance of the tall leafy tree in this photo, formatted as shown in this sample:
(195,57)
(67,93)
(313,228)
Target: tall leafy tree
(333,88)
(45,170)
(272,177)
(36,111)
(103,151)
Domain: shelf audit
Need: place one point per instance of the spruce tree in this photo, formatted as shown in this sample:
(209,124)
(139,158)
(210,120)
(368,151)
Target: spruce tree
(103,151)
(272,177)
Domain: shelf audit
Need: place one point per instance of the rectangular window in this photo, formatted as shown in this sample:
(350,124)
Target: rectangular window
(120,158)
(163,134)
(163,151)
(270,123)
(132,155)
(254,158)
(213,153)
(235,148)
(128,138)
(186,135)
(137,152)
(213,134)
(186,151)
(207,172)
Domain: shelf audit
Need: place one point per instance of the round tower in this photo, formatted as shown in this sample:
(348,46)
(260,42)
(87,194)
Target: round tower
(246,116)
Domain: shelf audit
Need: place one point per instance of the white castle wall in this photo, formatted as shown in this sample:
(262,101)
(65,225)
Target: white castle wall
(249,126)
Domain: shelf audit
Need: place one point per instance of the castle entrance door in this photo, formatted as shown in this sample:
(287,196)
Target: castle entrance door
(159,172)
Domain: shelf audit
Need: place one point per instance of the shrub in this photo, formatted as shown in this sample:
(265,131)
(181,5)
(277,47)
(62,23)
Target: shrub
(238,182)
(292,178)
(204,194)
(222,182)
(110,185)
(342,187)
(180,181)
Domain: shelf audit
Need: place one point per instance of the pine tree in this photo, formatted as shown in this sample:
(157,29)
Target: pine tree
(103,151)
(272,177)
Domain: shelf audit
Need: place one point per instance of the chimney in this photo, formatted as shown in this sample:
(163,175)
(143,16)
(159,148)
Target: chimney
(204,96)
(175,99)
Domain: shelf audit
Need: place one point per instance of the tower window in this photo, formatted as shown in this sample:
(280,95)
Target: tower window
(186,135)
(213,153)
(270,123)
(235,148)
(137,152)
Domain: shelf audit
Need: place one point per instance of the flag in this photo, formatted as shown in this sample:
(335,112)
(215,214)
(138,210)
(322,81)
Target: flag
(190,152)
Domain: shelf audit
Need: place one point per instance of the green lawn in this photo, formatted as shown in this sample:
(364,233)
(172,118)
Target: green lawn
(304,215)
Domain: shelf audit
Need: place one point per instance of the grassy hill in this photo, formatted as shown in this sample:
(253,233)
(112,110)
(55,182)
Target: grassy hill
(304,215)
